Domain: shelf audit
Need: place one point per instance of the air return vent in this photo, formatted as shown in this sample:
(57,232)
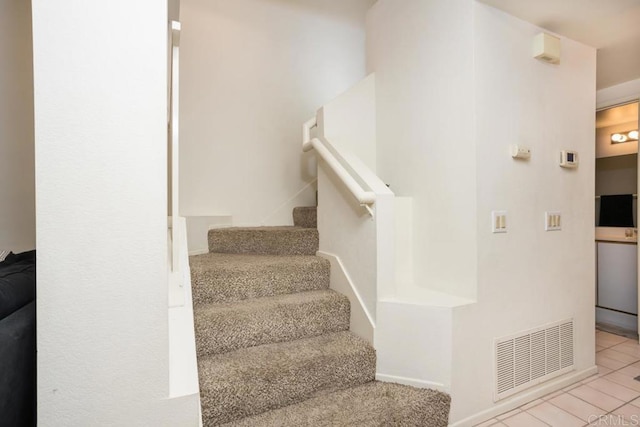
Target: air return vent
(532,357)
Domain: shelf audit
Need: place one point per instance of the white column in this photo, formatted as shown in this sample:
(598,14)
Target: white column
(100,77)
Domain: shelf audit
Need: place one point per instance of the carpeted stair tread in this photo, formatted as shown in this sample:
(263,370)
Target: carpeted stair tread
(253,380)
(305,216)
(220,278)
(375,404)
(264,240)
(226,327)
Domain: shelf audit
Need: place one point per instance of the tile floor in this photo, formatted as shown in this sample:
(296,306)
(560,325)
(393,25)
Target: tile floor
(609,398)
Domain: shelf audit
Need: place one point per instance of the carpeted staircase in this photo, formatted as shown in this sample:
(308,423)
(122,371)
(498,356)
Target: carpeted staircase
(273,341)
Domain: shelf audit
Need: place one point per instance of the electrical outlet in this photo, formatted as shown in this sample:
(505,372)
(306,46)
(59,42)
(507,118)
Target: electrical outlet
(552,221)
(498,221)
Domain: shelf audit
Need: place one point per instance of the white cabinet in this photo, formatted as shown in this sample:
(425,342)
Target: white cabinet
(617,286)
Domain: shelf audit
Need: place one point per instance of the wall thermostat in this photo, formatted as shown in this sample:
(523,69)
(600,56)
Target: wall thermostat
(568,159)
(520,152)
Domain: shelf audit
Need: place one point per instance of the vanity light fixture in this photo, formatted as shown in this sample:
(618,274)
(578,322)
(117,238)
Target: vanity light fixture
(626,136)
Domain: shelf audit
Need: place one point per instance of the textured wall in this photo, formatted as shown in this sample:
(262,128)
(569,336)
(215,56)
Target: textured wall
(101,118)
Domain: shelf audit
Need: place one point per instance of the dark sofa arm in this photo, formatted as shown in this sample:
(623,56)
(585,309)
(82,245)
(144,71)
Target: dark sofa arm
(18,367)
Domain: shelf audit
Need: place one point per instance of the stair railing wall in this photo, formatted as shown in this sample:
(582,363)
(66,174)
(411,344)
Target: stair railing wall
(174,144)
(355,207)
(183,367)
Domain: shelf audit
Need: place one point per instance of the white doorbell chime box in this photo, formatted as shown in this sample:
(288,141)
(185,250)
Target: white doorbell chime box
(546,48)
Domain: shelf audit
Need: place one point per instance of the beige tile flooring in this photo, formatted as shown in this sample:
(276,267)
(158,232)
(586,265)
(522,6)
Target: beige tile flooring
(610,398)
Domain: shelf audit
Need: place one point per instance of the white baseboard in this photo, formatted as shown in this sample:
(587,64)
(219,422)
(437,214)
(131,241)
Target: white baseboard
(361,321)
(197,231)
(306,196)
(525,397)
(412,382)
(198,252)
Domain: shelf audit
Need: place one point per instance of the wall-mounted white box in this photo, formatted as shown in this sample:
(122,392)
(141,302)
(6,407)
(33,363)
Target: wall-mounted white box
(546,48)
(519,152)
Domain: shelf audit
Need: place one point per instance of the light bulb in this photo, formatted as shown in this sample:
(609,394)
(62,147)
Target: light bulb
(633,135)
(618,137)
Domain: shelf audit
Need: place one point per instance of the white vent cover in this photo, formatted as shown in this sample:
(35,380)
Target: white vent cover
(533,356)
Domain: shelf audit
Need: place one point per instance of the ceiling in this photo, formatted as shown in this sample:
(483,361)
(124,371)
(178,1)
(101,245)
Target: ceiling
(611,26)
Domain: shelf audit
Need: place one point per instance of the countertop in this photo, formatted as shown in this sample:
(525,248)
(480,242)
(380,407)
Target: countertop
(617,235)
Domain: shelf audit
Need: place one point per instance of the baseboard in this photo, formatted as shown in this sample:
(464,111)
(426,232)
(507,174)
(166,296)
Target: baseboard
(282,214)
(361,321)
(178,411)
(526,396)
(412,382)
(198,252)
(198,228)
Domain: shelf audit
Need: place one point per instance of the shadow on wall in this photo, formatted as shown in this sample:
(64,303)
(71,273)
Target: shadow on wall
(17,165)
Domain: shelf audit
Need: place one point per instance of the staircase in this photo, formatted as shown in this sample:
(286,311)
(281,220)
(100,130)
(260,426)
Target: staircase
(273,341)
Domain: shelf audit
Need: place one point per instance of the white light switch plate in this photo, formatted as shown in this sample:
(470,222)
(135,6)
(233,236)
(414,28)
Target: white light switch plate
(552,221)
(498,221)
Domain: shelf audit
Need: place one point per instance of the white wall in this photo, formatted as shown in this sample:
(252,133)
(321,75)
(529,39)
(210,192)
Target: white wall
(100,124)
(252,72)
(17,182)
(348,233)
(363,243)
(617,175)
(456,85)
(421,52)
(528,277)
(351,121)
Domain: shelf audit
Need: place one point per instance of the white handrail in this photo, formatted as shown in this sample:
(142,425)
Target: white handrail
(365,198)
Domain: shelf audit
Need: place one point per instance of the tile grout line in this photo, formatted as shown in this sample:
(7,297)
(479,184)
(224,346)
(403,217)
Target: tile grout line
(593,388)
(605,411)
(627,340)
(521,411)
(542,421)
(564,410)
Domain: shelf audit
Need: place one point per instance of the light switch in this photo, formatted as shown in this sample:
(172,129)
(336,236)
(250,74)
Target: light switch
(498,221)
(552,221)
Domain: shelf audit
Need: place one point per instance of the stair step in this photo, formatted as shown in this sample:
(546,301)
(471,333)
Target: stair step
(226,327)
(253,380)
(305,216)
(375,404)
(264,240)
(218,278)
